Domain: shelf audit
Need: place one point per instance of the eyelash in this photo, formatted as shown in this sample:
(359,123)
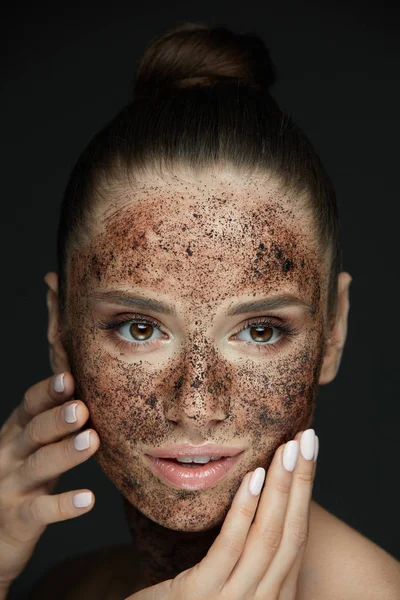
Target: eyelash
(287,331)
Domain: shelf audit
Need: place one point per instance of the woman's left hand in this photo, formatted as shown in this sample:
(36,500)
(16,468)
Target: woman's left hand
(252,560)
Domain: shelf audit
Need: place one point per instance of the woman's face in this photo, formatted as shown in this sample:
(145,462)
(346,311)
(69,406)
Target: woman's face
(202,246)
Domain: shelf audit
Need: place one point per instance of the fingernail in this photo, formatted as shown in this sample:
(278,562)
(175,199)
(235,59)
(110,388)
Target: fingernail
(290,454)
(316,448)
(82,441)
(257,481)
(82,500)
(70,413)
(307,444)
(58,383)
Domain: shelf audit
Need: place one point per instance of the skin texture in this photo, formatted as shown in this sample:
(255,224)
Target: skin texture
(201,244)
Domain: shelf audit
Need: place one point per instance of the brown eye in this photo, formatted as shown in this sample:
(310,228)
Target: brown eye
(140,331)
(260,334)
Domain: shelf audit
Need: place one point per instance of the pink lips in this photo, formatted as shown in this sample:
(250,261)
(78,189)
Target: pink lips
(193,478)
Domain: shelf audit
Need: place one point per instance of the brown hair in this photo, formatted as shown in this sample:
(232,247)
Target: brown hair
(201,98)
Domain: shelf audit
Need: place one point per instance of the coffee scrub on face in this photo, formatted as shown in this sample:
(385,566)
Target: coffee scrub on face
(199,286)
(192,382)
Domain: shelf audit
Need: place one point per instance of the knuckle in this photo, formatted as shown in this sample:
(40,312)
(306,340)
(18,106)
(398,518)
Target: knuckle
(283,487)
(272,536)
(33,431)
(28,402)
(61,507)
(234,544)
(36,510)
(67,450)
(297,530)
(246,511)
(34,464)
(303,478)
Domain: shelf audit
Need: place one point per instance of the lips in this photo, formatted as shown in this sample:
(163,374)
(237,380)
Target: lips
(184,450)
(181,476)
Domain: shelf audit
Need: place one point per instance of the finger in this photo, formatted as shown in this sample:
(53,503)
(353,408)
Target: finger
(54,459)
(49,426)
(267,529)
(35,514)
(289,589)
(39,397)
(295,533)
(210,575)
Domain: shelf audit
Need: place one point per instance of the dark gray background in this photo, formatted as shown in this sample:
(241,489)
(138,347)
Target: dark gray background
(68,68)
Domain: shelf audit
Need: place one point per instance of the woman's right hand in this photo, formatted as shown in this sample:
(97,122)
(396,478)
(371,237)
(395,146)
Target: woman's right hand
(36,447)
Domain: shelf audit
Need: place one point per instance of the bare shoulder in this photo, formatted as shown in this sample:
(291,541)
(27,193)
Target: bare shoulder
(339,564)
(105,574)
(342,563)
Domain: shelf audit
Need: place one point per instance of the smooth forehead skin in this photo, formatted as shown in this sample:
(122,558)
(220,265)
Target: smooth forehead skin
(201,245)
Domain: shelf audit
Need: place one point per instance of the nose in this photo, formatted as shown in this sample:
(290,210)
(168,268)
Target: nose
(200,397)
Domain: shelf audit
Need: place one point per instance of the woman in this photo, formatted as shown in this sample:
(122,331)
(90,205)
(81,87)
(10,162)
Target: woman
(199,303)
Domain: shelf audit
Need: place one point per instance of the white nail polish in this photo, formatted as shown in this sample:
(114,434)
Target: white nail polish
(307,444)
(82,500)
(290,454)
(81,442)
(256,481)
(316,448)
(58,383)
(69,413)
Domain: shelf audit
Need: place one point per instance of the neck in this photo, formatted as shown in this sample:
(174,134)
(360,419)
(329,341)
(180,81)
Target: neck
(164,553)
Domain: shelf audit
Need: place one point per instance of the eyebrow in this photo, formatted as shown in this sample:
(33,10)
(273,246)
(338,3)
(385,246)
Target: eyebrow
(158,306)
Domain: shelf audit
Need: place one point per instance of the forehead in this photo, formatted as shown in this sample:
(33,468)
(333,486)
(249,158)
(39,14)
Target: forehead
(192,239)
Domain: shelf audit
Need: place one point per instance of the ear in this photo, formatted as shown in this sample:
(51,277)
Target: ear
(58,356)
(336,342)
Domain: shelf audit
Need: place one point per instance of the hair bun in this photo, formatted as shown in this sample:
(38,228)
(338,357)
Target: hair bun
(192,54)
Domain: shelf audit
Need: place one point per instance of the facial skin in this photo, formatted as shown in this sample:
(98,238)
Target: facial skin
(203,245)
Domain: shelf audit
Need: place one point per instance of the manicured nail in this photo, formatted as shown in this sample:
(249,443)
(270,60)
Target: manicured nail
(290,454)
(58,383)
(82,441)
(82,500)
(70,413)
(316,448)
(257,481)
(307,444)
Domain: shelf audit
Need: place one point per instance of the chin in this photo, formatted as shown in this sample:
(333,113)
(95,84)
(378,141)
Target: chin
(185,513)
(184,521)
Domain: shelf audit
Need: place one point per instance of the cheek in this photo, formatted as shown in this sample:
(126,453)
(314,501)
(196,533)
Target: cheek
(120,397)
(278,398)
